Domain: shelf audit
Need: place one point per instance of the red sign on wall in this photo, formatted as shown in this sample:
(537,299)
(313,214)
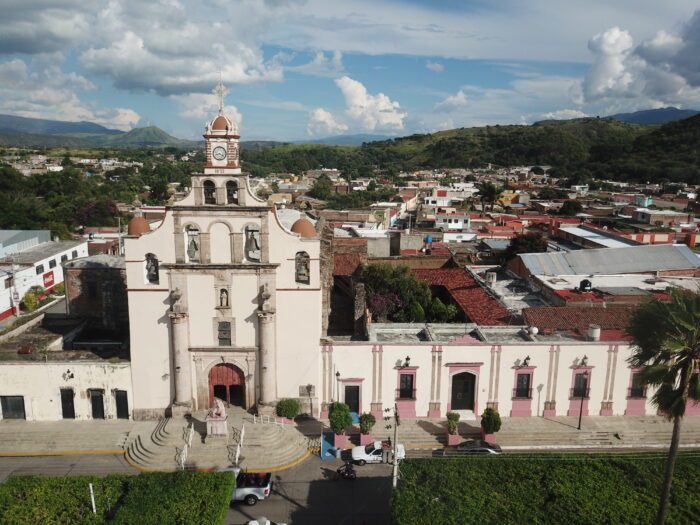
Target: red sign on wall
(48,280)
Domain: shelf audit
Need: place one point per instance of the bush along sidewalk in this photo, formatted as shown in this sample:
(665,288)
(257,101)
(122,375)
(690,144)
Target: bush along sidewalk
(490,424)
(367,421)
(452,426)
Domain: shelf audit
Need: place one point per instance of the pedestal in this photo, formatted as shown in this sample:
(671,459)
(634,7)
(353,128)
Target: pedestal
(489,438)
(339,440)
(434,410)
(550,409)
(453,439)
(365,439)
(216,426)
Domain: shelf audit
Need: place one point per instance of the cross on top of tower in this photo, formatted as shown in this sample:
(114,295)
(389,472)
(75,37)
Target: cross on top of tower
(220,92)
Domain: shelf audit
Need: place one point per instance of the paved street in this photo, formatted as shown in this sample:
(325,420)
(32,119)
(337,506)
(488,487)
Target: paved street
(308,494)
(101,465)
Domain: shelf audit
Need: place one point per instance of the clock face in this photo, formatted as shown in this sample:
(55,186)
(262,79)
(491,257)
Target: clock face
(219,153)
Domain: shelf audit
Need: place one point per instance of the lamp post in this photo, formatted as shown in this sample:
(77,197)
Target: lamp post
(583,394)
(337,385)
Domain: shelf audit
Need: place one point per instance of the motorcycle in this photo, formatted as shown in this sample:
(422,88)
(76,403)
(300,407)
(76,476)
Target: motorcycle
(346,471)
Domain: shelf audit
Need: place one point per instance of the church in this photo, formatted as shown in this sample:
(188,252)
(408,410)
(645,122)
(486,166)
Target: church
(224,300)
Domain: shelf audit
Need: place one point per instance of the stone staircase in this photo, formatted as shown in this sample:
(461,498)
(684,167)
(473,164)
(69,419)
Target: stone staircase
(265,445)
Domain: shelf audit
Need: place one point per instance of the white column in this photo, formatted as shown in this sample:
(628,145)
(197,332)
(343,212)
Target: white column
(181,358)
(268,358)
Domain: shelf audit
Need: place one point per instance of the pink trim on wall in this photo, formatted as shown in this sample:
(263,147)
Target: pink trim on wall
(575,402)
(636,406)
(353,380)
(522,407)
(456,368)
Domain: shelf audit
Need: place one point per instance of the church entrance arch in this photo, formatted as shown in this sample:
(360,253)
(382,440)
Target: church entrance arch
(463,391)
(227,382)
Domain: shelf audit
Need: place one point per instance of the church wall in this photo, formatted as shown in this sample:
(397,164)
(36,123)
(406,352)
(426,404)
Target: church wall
(200,305)
(244,303)
(40,384)
(150,349)
(220,242)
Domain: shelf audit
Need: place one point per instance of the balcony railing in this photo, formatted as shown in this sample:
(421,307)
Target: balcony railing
(637,391)
(579,392)
(405,393)
(522,393)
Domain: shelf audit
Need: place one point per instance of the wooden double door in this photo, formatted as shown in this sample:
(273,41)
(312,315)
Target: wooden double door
(227,382)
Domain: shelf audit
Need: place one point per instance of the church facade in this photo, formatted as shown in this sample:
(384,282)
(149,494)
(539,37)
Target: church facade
(224,301)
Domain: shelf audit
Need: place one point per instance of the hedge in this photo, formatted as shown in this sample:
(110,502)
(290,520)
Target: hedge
(149,498)
(553,488)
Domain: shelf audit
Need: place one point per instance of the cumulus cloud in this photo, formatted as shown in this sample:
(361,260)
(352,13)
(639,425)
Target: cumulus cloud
(322,65)
(43,26)
(204,106)
(179,53)
(435,66)
(370,112)
(452,103)
(50,93)
(564,114)
(322,122)
(662,70)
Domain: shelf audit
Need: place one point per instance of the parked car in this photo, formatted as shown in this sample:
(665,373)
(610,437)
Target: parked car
(479,446)
(374,453)
(250,487)
(264,521)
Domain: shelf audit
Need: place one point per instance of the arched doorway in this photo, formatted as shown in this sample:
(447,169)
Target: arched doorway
(227,382)
(463,391)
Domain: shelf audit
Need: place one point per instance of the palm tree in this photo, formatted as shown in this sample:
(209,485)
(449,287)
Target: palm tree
(667,340)
(488,193)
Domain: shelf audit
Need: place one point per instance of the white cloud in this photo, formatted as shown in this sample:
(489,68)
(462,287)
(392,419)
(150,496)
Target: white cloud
(204,106)
(564,114)
(322,66)
(662,70)
(435,66)
(50,93)
(322,122)
(452,103)
(370,112)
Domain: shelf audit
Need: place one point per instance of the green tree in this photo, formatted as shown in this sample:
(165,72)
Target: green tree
(526,243)
(549,192)
(396,285)
(666,339)
(321,189)
(488,194)
(571,208)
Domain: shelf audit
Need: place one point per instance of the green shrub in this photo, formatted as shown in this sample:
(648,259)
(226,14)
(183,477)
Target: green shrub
(564,488)
(367,421)
(339,417)
(438,311)
(30,301)
(490,421)
(288,408)
(452,422)
(59,288)
(417,313)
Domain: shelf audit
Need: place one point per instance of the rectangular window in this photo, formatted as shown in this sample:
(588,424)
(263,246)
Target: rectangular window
(64,258)
(581,385)
(40,269)
(9,282)
(224,329)
(74,254)
(52,263)
(637,389)
(406,389)
(522,388)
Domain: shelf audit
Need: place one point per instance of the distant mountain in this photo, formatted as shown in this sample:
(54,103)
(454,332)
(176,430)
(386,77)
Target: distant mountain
(344,140)
(20,131)
(654,116)
(13,124)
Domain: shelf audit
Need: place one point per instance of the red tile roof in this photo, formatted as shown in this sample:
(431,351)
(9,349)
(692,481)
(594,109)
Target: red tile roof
(476,303)
(346,264)
(437,249)
(549,319)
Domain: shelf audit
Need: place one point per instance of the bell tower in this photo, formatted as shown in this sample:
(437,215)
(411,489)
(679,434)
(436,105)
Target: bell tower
(221,148)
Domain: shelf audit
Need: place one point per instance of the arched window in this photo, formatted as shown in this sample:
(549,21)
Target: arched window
(209,192)
(231,192)
(252,244)
(302,268)
(152,269)
(192,244)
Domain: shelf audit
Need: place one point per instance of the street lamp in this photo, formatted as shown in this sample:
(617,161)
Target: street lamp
(337,385)
(583,394)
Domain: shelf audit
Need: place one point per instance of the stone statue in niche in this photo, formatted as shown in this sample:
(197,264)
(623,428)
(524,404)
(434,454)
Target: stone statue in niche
(223,298)
(252,244)
(192,250)
(152,268)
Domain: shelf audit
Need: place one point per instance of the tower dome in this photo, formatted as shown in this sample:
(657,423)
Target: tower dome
(137,226)
(304,228)
(222,123)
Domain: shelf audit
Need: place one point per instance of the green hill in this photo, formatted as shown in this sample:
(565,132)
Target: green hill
(43,141)
(144,137)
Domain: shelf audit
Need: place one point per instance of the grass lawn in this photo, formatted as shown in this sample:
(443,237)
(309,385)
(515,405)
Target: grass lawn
(547,488)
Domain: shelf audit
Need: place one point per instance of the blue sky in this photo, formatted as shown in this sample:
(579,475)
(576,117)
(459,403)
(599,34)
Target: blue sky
(311,68)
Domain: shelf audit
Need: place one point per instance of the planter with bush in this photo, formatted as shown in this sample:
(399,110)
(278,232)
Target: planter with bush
(339,419)
(453,437)
(367,421)
(490,424)
(288,409)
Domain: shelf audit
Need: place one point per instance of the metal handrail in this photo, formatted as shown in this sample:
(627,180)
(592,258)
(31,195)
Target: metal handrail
(576,393)
(401,391)
(637,392)
(522,393)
